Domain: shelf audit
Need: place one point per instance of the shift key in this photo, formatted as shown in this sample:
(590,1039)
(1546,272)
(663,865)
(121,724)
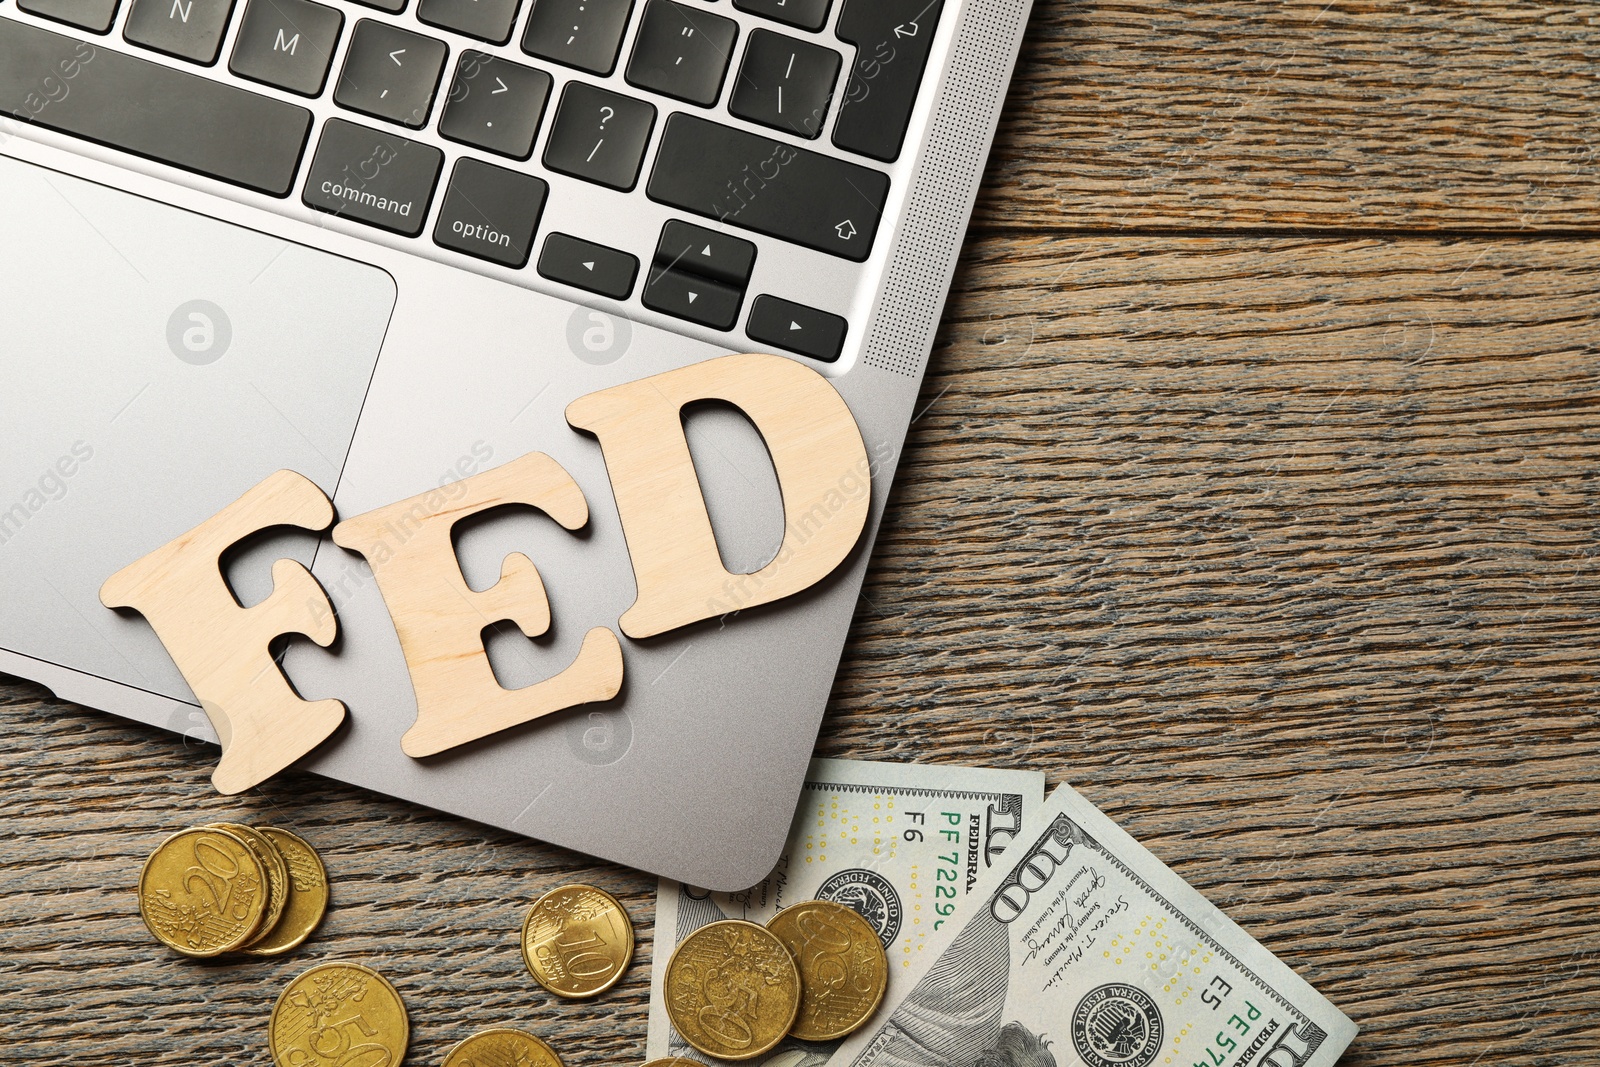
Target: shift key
(769,186)
(373,177)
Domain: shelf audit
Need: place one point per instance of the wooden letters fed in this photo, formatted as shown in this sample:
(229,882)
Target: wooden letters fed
(222,649)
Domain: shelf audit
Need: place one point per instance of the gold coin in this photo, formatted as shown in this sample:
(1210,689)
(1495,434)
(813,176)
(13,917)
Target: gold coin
(577,940)
(843,967)
(340,1014)
(732,989)
(202,892)
(502,1048)
(277,875)
(308,894)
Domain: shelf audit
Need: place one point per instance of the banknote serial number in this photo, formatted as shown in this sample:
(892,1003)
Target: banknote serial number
(1225,1045)
(947,875)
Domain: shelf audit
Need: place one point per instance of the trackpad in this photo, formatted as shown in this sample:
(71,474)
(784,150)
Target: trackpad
(156,364)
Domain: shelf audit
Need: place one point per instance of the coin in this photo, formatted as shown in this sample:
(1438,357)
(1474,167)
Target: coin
(277,875)
(308,894)
(732,989)
(202,892)
(843,967)
(502,1048)
(577,940)
(339,1014)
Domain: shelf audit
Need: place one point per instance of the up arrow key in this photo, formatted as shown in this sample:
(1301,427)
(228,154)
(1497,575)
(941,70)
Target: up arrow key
(794,325)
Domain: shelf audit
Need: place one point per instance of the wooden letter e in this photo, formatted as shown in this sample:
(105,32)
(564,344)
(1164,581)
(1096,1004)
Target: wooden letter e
(440,619)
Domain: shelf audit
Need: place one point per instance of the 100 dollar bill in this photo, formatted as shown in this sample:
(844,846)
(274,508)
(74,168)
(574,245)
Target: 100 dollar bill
(901,843)
(1083,948)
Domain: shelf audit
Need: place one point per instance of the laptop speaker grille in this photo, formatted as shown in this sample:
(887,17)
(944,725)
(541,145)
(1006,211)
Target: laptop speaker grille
(946,184)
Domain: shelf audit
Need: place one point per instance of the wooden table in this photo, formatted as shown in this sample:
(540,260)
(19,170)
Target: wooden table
(1256,495)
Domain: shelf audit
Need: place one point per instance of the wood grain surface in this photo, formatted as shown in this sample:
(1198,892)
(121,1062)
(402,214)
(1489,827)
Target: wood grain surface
(1281,548)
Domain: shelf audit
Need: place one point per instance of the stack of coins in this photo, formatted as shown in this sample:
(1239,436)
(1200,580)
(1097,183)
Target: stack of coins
(226,887)
(816,972)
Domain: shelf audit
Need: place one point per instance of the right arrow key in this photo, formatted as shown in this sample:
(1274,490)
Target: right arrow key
(796,328)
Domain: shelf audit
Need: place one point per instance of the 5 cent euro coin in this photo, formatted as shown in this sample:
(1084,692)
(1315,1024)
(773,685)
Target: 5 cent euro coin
(732,989)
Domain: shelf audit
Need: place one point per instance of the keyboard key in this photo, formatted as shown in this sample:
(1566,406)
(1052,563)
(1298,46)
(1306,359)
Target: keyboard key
(892,39)
(188,29)
(682,52)
(706,252)
(490,212)
(599,136)
(796,328)
(373,176)
(391,73)
(495,105)
(394,7)
(586,34)
(588,266)
(287,43)
(171,116)
(96,16)
(769,187)
(804,14)
(487,20)
(689,296)
(785,83)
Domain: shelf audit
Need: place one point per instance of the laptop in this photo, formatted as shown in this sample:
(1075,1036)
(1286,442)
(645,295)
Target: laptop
(385,244)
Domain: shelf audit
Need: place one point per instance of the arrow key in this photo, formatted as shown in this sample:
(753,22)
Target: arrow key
(588,266)
(692,297)
(796,328)
(706,252)
(391,73)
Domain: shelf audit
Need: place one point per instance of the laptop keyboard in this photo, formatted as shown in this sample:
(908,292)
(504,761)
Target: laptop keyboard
(738,125)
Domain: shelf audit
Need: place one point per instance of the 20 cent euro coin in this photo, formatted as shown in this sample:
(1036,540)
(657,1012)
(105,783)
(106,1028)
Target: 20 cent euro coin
(843,967)
(203,892)
(732,989)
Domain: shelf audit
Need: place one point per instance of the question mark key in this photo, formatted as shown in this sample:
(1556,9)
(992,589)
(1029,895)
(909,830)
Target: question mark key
(599,136)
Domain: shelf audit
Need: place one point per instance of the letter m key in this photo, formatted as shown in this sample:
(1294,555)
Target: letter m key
(281,45)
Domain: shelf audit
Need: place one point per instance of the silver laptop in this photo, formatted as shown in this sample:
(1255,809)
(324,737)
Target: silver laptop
(384,244)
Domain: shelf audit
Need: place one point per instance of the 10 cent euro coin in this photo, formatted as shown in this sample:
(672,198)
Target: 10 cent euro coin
(577,940)
(732,989)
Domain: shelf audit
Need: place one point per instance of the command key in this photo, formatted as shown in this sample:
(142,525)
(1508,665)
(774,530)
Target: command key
(373,177)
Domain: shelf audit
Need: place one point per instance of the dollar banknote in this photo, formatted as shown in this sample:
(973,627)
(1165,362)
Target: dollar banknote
(901,843)
(1081,948)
